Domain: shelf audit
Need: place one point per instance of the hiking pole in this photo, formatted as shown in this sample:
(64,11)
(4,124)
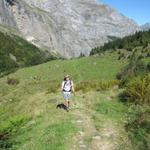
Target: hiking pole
(73,92)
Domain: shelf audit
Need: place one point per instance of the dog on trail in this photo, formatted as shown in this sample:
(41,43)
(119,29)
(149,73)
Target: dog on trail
(62,106)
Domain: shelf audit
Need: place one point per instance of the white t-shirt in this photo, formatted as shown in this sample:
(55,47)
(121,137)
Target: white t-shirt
(66,85)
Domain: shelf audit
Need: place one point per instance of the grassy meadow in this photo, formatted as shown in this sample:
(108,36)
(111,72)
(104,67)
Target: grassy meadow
(29,118)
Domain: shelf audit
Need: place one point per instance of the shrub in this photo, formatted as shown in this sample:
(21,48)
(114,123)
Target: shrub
(140,57)
(9,128)
(86,86)
(138,90)
(119,52)
(129,49)
(12,81)
(140,68)
(54,86)
(134,68)
(148,54)
(81,55)
(122,55)
(148,67)
(138,126)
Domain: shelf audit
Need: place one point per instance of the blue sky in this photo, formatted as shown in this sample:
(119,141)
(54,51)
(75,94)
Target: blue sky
(139,10)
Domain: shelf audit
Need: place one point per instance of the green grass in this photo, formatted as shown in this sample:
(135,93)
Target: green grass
(28,115)
(87,68)
(108,107)
(55,136)
(58,135)
(35,98)
(108,115)
(111,109)
(45,76)
(48,127)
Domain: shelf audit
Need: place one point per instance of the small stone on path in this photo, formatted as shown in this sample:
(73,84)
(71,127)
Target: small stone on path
(96,137)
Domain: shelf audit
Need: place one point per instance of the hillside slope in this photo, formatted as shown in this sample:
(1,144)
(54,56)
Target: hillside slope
(137,45)
(30,120)
(16,52)
(97,118)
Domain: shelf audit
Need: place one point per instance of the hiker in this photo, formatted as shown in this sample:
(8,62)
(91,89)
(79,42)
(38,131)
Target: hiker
(67,87)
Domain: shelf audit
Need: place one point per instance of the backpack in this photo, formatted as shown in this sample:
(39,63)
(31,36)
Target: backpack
(70,86)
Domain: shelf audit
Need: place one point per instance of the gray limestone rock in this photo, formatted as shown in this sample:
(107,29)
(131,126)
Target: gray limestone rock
(70,27)
(145,27)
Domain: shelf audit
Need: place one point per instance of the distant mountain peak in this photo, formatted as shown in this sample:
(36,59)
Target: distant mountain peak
(146,26)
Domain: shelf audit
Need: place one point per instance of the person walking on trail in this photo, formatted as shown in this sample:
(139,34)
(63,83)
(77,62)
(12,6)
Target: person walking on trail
(67,88)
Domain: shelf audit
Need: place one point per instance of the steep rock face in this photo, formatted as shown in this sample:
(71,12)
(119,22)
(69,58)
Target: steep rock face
(145,27)
(6,17)
(70,27)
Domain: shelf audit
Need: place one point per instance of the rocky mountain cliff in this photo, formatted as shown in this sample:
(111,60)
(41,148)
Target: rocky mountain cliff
(145,27)
(70,27)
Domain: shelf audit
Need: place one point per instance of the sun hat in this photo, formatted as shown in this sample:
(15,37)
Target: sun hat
(66,76)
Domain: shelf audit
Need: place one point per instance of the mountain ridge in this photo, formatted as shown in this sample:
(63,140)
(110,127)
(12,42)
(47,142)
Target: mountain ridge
(145,26)
(66,26)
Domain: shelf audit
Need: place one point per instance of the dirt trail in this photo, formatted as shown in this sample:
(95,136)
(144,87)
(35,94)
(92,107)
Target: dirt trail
(88,137)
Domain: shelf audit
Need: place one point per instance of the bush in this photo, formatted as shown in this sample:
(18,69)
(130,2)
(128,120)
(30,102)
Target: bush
(140,68)
(122,55)
(54,86)
(86,86)
(138,90)
(140,57)
(134,68)
(81,55)
(148,54)
(12,81)
(138,126)
(9,128)
(148,67)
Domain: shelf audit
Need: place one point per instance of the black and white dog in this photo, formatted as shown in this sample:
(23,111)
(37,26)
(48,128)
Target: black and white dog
(62,106)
